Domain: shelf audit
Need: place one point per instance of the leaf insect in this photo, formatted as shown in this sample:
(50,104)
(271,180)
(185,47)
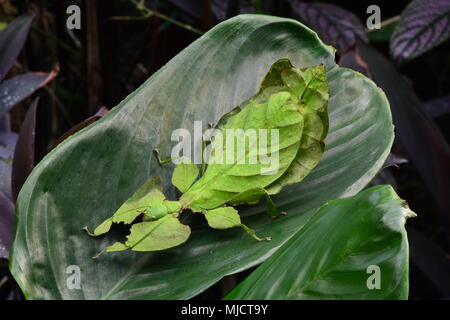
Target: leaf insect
(291,102)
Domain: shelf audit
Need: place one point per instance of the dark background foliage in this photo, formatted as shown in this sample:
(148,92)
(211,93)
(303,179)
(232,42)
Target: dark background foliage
(119,46)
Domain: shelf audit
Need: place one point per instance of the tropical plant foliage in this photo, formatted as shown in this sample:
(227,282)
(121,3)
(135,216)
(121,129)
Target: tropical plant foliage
(335,237)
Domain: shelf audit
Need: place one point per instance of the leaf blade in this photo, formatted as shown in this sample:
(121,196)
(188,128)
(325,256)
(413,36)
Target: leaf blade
(12,39)
(359,140)
(333,262)
(25,151)
(335,25)
(161,234)
(13,91)
(184,175)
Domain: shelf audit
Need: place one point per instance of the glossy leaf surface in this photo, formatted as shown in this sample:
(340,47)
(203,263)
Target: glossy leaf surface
(114,157)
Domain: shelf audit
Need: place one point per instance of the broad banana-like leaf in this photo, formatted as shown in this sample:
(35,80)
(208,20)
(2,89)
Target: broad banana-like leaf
(353,248)
(285,109)
(92,173)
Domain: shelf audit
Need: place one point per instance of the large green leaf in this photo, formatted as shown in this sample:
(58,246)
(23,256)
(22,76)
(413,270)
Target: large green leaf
(292,109)
(87,177)
(341,253)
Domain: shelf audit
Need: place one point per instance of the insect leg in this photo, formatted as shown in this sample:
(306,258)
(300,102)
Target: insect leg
(161,162)
(253,234)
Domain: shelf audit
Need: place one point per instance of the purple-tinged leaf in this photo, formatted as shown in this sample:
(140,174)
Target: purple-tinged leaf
(12,39)
(383,34)
(423,25)
(24,154)
(8,142)
(5,123)
(438,107)
(335,25)
(6,225)
(394,160)
(383,177)
(427,148)
(100,113)
(192,8)
(431,260)
(14,90)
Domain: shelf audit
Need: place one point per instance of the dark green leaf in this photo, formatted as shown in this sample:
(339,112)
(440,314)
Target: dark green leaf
(335,255)
(432,261)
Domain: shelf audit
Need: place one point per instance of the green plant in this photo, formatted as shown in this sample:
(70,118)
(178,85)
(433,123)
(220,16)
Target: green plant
(88,176)
(291,102)
(16,152)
